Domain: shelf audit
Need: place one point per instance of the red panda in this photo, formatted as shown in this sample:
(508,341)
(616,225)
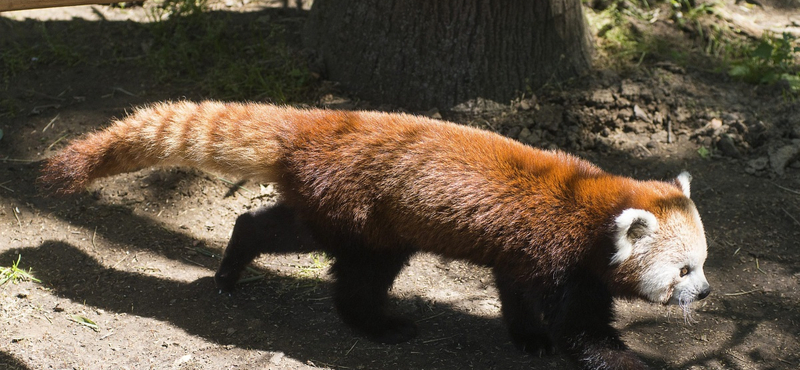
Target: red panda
(562,236)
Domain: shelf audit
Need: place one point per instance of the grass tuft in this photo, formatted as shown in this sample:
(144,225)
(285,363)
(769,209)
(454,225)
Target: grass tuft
(15,275)
(319,262)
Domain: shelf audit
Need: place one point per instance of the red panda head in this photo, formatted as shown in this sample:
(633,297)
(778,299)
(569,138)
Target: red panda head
(663,246)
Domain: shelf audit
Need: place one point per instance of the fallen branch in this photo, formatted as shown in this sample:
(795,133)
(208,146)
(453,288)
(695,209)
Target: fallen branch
(787,189)
(6,5)
(790,216)
(741,293)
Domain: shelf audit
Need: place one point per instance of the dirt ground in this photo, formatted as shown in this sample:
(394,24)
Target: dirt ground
(136,253)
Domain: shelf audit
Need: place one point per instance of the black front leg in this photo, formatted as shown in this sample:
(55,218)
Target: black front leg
(580,323)
(523,314)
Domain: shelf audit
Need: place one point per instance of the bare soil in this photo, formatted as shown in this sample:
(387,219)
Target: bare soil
(136,253)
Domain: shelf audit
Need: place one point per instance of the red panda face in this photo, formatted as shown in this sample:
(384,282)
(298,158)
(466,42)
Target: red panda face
(667,252)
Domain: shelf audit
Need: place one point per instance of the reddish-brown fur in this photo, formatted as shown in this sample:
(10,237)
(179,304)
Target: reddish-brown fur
(393,182)
(448,189)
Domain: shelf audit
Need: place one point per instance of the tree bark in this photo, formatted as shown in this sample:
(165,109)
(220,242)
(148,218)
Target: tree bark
(438,53)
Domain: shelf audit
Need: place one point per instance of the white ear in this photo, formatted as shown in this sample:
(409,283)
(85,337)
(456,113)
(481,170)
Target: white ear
(683,181)
(631,225)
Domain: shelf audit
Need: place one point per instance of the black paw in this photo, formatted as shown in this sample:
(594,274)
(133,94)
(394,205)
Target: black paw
(225,281)
(389,330)
(535,344)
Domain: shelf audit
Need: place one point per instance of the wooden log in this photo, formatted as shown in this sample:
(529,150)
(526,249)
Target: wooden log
(7,5)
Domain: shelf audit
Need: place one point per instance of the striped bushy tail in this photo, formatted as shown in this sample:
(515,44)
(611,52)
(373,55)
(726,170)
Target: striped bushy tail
(99,155)
(228,138)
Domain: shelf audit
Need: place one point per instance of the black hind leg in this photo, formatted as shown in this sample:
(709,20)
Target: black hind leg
(362,281)
(273,229)
(524,316)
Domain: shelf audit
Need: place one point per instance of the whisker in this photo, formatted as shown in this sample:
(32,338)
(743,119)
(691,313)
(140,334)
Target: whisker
(685,303)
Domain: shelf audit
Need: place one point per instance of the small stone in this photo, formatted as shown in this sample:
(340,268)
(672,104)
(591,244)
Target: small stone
(535,137)
(681,114)
(740,127)
(630,89)
(658,118)
(551,117)
(604,144)
(523,134)
(727,147)
(731,117)
(640,113)
(780,157)
(625,114)
(513,131)
(433,113)
(276,358)
(635,126)
(712,129)
(758,164)
(182,360)
(601,97)
(659,137)
(479,105)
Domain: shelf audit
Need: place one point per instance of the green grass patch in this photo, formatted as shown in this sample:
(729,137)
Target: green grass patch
(699,36)
(15,275)
(227,59)
(25,48)
(704,152)
(622,36)
(9,107)
(684,11)
(319,262)
(216,54)
(770,60)
(626,35)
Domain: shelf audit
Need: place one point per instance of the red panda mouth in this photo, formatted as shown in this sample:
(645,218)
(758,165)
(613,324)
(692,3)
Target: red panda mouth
(668,296)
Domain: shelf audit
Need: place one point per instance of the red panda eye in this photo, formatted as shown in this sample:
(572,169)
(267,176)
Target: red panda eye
(684,271)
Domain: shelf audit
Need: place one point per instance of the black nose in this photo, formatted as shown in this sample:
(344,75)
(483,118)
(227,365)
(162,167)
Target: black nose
(704,293)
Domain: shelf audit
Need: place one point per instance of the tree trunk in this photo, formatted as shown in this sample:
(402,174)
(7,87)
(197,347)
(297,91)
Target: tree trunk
(438,53)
